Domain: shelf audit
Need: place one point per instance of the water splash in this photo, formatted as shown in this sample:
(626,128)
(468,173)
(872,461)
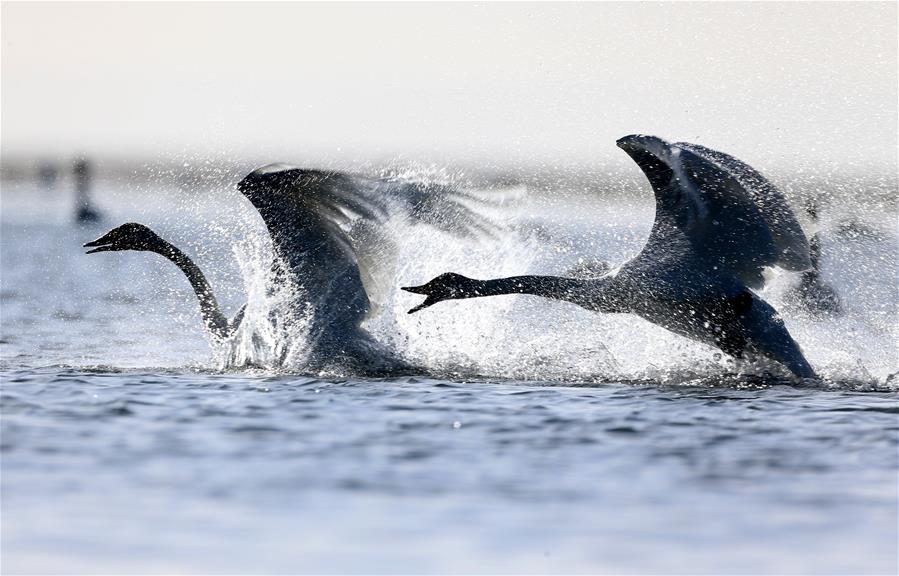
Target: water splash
(523,337)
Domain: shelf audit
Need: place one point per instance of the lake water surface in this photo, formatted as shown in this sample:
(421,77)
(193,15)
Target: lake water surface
(544,438)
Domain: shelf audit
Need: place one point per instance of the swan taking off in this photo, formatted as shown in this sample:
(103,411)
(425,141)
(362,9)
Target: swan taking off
(330,253)
(718,223)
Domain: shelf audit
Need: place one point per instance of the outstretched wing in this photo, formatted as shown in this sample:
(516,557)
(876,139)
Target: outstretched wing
(464,213)
(306,213)
(717,211)
(458,211)
(327,226)
(791,245)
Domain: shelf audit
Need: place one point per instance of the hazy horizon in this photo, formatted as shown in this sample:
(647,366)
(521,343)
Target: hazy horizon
(507,83)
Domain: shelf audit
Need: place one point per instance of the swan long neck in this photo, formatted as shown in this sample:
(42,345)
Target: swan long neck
(213,319)
(586,293)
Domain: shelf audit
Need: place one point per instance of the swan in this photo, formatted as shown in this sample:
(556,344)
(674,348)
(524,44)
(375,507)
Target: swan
(330,250)
(718,223)
(85,212)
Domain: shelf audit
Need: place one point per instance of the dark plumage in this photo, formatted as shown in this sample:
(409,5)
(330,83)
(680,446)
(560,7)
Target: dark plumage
(718,223)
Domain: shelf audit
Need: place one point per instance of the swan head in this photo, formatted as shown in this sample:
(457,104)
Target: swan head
(130,236)
(444,287)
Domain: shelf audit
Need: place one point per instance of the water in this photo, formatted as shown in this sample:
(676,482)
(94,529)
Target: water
(545,439)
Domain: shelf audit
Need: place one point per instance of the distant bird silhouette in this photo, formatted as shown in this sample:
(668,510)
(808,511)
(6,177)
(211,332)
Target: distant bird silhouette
(47,174)
(329,244)
(718,223)
(85,213)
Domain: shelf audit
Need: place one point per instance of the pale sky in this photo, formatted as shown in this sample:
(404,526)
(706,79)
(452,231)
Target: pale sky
(503,82)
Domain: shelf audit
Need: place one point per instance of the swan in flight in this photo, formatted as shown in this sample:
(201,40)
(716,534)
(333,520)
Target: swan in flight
(330,248)
(718,223)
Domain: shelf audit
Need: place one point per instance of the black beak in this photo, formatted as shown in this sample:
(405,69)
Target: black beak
(101,244)
(416,289)
(429,301)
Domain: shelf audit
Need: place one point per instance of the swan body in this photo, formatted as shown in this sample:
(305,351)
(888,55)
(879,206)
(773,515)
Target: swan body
(718,223)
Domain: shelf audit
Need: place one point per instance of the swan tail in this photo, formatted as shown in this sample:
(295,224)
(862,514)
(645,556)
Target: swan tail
(766,334)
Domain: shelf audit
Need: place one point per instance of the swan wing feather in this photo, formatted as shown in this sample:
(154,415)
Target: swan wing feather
(449,208)
(789,239)
(729,232)
(307,213)
(714,214)
(328,224)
